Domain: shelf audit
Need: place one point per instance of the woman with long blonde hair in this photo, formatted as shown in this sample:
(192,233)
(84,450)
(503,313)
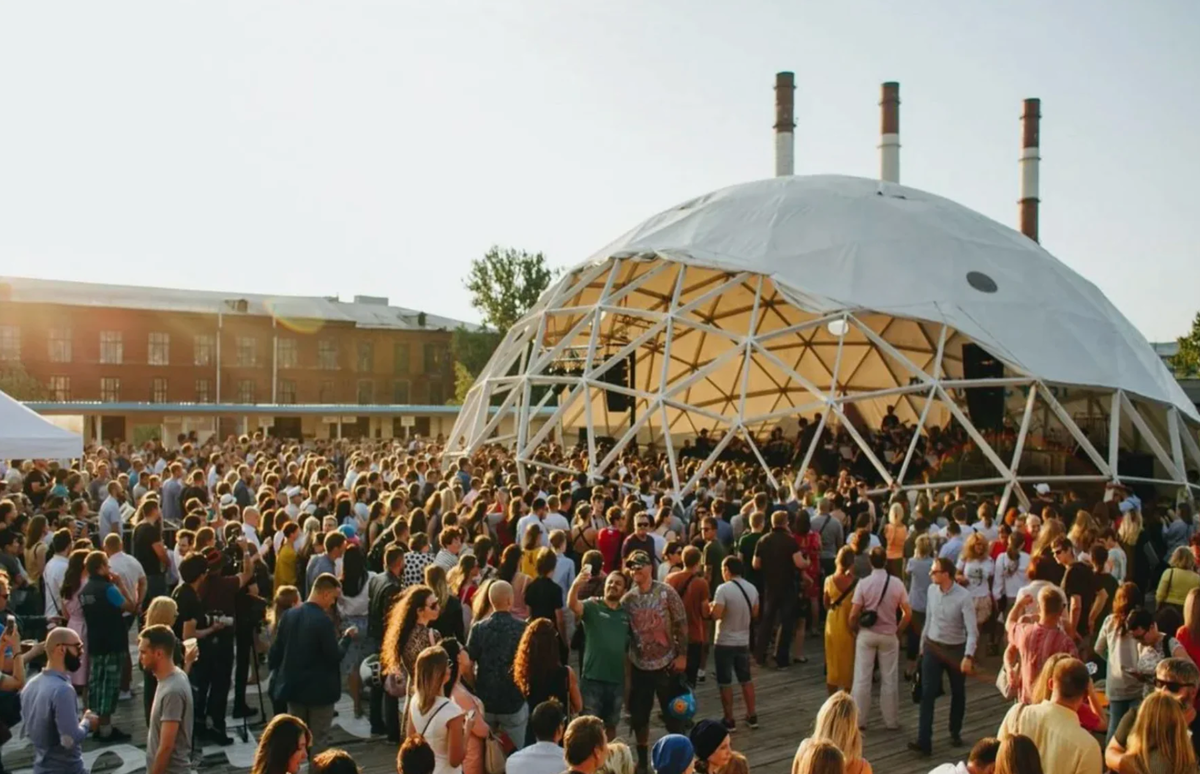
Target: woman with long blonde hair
(975,570)
(895,533)
(818,757)
(434,716)
(837,723)
(1159,742)
(1051,530)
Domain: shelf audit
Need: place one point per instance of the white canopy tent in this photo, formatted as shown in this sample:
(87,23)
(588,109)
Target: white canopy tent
(26,435)
(832,298)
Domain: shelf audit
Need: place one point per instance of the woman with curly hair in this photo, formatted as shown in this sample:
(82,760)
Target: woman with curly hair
(409,631)
(540,674)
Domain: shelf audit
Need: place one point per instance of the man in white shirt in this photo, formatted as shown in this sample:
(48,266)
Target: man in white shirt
(293,507)
(110,511)
(554,518)
(981,761)
(250,520)
(538,517)
(546,755)
(55,570)
(134,577)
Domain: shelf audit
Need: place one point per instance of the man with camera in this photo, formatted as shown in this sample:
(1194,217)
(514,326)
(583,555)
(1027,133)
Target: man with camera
(250,608)
(219,593)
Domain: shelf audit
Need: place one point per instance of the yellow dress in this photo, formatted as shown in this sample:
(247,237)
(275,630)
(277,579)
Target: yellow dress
(839,640)
(285,566)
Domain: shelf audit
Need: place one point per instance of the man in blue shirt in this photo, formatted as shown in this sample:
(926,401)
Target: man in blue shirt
(48,708)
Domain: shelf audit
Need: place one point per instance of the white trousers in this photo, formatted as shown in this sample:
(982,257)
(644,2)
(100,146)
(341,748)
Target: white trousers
(867,648)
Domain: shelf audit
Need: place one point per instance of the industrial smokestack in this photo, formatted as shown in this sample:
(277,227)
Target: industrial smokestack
(785,124)
(889,133)
(1031,121)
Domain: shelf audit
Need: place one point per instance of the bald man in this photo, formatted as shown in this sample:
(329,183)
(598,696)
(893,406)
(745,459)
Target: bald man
(492,644)
(48,708)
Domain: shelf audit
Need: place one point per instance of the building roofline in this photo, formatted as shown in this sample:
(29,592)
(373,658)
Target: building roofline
(364,312)
(96,407)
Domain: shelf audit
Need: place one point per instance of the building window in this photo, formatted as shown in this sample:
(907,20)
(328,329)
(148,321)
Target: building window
(10,343)
(203,346)
(287,355)
(245,391)
(327,354)
(110,389)
(435,394)
(60,388)
(400,357)
(326,393)
(159,352)
(400,392)
(287,391)
(203,391)
(60,345)
(112,347)
(366,357)
(431,358)
(366,392)
(247,351)
(158,390)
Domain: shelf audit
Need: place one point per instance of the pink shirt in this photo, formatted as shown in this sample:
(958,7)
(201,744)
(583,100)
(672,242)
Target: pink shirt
(1036,644)
(884,594)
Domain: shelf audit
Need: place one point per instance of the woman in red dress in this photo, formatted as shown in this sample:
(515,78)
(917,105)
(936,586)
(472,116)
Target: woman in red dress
(809,544)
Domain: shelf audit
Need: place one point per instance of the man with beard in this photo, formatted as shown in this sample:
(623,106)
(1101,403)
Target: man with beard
(48,708)
(606,631)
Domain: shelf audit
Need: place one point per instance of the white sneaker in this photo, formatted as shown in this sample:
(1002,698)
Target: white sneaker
(124,695)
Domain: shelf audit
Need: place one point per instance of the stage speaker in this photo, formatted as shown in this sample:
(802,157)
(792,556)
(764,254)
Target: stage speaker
(617,375)
(985,405)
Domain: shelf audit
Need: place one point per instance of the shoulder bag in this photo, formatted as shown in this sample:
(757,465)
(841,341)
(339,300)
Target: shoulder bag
(868,618)
(745,596)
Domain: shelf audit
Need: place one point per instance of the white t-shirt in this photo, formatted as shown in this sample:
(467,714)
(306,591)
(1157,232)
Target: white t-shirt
(532,518)
(128,568)
(1009,576)
(978,573)
(733,628)
(1120,563)
(433,725)
(52,578)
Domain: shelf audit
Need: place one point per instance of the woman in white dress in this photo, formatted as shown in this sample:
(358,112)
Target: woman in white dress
(435,717)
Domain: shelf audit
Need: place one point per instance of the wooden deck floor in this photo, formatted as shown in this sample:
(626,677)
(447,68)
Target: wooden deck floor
(788,701)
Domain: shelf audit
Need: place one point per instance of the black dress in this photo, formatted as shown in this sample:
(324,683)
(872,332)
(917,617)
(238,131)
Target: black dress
(554,685)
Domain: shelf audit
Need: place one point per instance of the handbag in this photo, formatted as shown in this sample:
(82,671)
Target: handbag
(868,618)
(494,760)
(916,686)
(1008,680)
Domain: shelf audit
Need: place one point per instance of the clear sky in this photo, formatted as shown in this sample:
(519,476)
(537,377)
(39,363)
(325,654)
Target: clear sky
(377,147)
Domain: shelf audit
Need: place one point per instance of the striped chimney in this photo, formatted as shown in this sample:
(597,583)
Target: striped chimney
(785,124)
(1031,120)
(889,133)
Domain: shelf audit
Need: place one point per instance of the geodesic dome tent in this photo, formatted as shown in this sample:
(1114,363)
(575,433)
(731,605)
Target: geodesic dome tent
(831,299)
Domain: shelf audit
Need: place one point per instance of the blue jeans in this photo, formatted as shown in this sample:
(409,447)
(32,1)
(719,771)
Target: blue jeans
(603,700)
(1117,709)
(513,724)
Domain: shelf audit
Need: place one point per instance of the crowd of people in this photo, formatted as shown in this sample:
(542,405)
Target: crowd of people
(482,620)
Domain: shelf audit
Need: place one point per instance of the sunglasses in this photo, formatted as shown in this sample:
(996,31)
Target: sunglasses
(1173,687)
(641,524)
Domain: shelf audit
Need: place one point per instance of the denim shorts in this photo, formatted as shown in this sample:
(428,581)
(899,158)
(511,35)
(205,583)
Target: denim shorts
(602,700)
(731,660)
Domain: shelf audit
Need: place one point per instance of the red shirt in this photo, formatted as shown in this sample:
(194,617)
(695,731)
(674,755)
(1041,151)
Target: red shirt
(608,543)
(1192,647)
(1036,644)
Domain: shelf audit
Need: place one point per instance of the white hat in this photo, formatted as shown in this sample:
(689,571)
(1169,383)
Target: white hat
(227,499)
(1042,489)
(1125,506)
(294,491)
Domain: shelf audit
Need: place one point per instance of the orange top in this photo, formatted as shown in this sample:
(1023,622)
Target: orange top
(896,535)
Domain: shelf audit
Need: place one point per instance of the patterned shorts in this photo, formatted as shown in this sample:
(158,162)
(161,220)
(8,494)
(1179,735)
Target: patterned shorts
(104,682)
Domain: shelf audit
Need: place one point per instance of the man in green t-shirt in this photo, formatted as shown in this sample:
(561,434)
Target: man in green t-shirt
(606,640)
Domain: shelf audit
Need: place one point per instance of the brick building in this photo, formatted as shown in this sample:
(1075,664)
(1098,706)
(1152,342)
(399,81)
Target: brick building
(113,344)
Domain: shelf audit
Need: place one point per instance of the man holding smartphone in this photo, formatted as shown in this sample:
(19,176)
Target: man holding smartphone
(104,599)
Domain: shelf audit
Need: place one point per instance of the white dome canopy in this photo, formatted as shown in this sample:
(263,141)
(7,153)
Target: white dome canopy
(836,243)
(747,311)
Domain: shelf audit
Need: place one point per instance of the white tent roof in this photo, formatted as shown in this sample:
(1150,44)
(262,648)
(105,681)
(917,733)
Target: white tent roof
(837,243)
(26,435)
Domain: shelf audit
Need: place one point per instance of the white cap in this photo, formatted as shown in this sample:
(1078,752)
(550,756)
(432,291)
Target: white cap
(1042,489)
(227,499)
(294,491)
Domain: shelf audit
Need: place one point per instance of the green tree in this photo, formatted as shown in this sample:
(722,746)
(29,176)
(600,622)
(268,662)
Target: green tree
(506,283)
(1187,361)
(16,382)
